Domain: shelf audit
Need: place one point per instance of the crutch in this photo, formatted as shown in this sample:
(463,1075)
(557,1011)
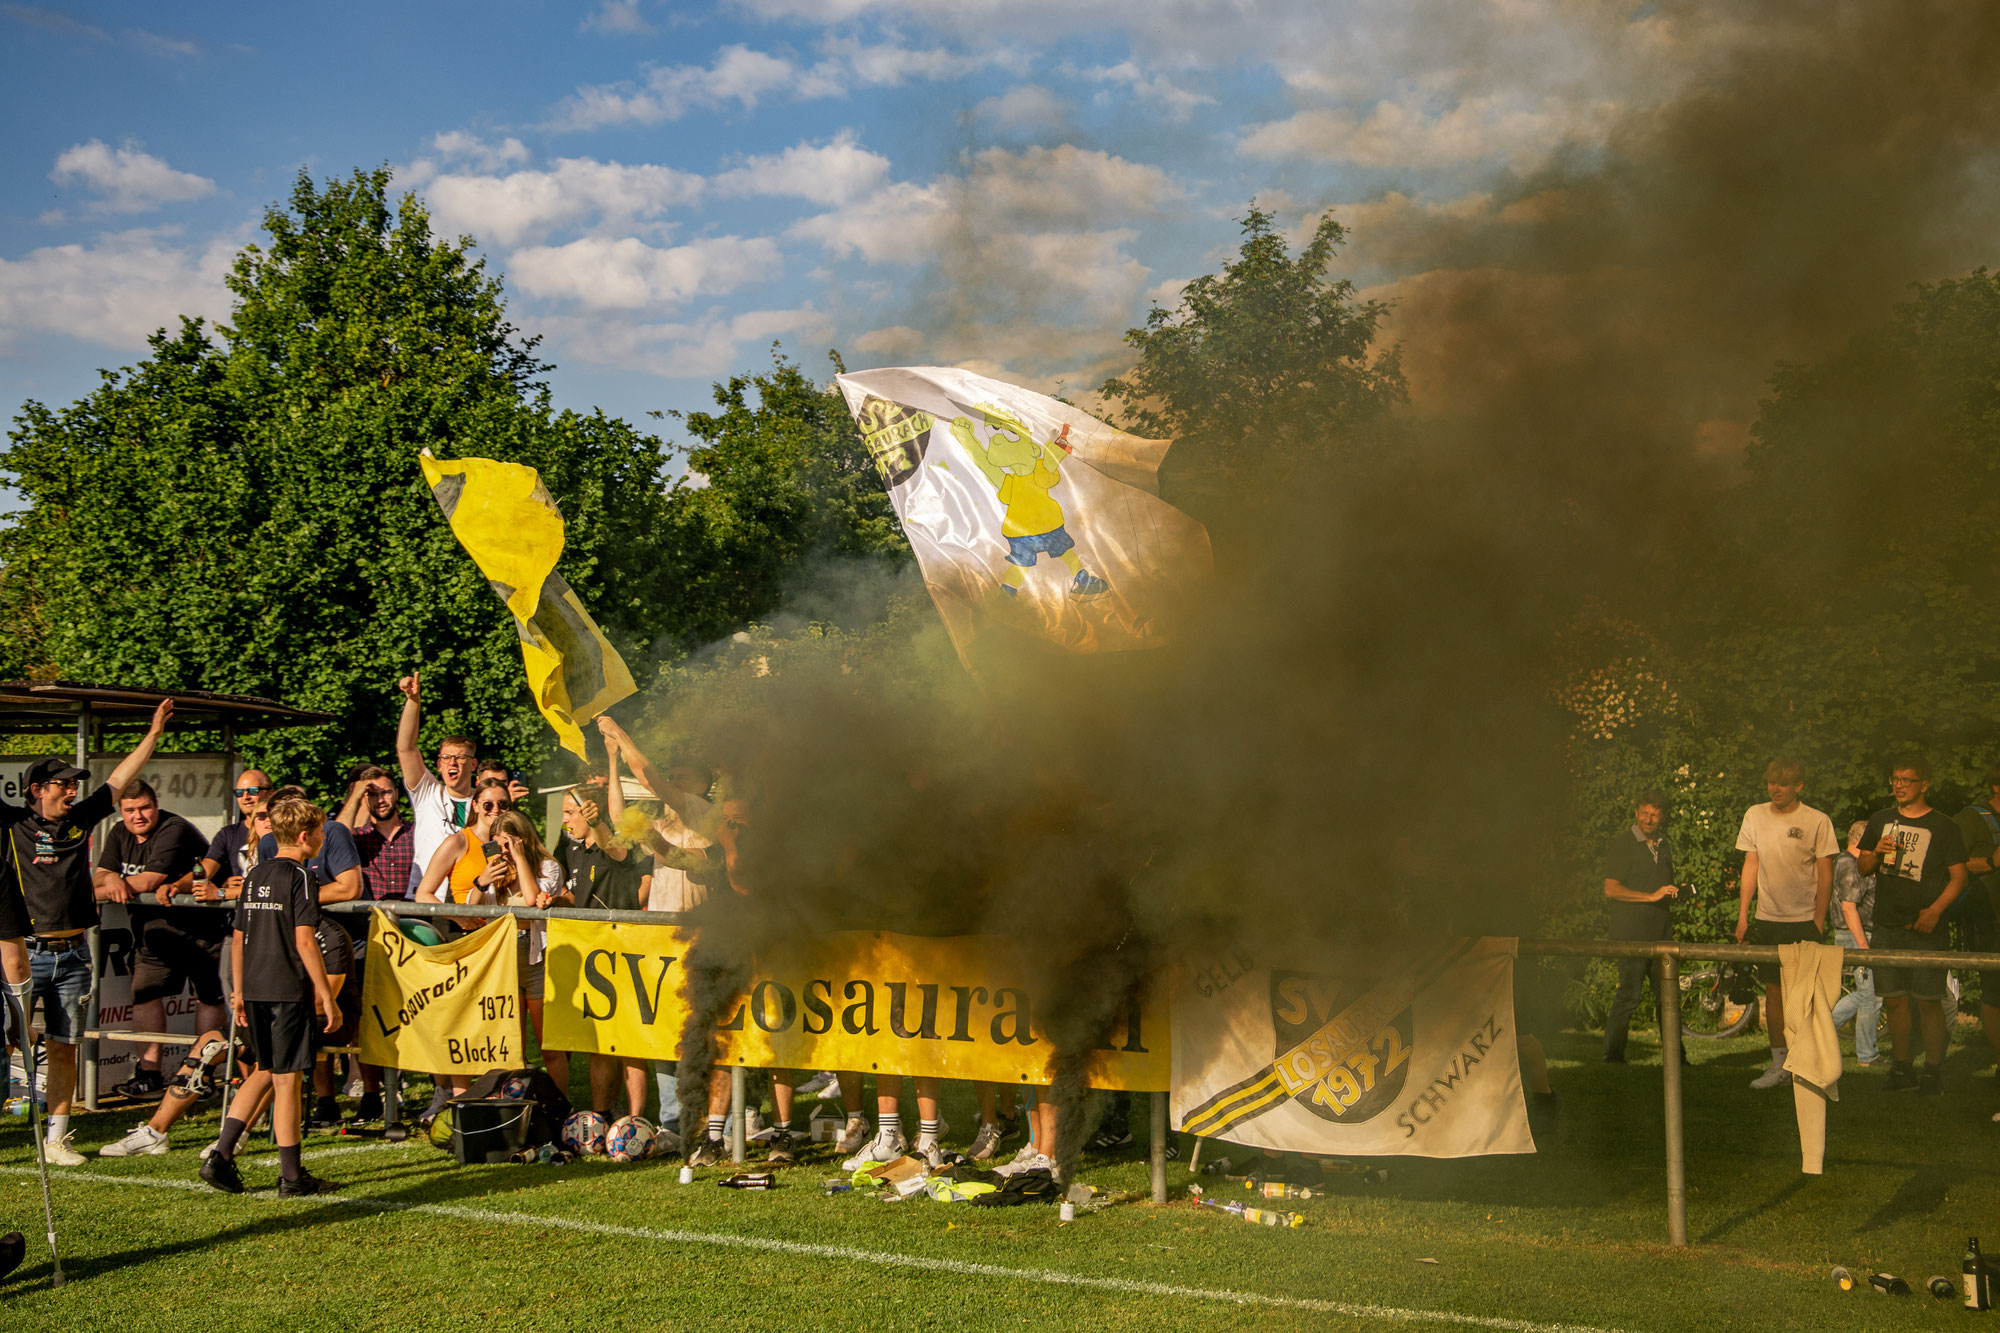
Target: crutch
(21,996)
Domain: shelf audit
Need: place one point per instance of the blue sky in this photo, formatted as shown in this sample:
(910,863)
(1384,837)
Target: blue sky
(1004,184)
(668,187)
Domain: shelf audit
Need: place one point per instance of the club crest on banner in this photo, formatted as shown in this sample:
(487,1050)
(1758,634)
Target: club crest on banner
(895,437)
(1338,1056)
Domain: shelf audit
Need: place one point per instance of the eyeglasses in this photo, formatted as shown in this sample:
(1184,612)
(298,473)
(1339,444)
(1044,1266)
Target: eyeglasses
(247,791)
(61,784)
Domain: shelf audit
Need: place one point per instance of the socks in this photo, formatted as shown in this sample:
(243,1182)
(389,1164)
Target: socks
(58,1126)
(1778,1056)
(927,1131)
(888,1125)
(716,1124)
(288,1161)
(232,1130)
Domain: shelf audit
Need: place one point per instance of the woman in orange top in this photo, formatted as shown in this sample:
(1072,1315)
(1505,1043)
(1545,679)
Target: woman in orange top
(461,872)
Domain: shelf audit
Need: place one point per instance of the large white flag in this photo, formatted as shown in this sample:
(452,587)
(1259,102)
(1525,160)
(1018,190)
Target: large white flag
(1395,1055)
(1026,512)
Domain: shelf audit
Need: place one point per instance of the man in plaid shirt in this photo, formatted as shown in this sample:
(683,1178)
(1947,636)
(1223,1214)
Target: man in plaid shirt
(386,843)
(385,840)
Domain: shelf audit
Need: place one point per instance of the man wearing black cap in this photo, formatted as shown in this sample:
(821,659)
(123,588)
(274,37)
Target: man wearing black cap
(47,902)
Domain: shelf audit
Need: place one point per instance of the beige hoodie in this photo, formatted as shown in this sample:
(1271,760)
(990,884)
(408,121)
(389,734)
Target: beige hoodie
(1810,975)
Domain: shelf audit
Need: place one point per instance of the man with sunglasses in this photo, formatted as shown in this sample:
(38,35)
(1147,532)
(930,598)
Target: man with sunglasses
(228,857)
(48,901)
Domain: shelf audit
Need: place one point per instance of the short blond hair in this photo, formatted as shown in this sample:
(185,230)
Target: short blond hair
(292,817)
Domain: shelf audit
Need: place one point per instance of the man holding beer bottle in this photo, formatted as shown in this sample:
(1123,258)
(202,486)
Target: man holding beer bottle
(1918,859)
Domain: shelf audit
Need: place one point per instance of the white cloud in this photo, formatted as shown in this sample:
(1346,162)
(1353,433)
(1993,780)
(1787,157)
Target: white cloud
(527,205)
(126,179)
(458,146)
(1002,192)
(1025,106)
(621,17)
(711,346)
(1174,98)
(1066,186)
(899,223)
(738,74)
(628,274)
(116,291)
(830,173)
(1401,134)
(742,77)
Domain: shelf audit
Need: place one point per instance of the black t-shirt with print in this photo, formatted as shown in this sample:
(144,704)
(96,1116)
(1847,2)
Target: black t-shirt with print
(278,897)
(174,848)
(1927,848)
(50,863)
(595,880)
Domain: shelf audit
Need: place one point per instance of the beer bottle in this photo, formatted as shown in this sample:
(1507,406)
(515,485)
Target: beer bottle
(1973,1278)
(749,1180)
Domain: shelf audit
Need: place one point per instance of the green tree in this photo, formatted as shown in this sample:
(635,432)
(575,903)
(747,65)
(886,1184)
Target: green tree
(242,511)
(1263,368)
(780,505)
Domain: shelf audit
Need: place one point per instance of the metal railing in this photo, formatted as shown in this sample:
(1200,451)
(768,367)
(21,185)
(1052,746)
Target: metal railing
(1670,954)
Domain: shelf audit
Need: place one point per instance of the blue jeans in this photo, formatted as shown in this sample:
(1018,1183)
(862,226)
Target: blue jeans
(62,984)
(1861,1005)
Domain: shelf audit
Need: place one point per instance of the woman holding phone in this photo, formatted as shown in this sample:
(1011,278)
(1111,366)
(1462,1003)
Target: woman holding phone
(538,882)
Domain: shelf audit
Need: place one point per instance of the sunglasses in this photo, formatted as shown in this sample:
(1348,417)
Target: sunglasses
(261,817)
(247,791)
(500,806)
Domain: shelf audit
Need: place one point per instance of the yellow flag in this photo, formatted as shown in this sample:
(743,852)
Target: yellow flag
(509,524)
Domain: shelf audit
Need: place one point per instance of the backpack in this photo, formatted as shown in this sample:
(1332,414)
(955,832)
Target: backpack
(551,1103)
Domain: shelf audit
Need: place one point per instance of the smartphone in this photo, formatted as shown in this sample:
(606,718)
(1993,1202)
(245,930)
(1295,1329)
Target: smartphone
(491,849)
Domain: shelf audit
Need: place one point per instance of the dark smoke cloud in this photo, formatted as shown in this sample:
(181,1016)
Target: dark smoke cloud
(1355,741)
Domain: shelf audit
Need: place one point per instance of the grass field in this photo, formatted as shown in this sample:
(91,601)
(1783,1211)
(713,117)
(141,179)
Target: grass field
(1571,1238)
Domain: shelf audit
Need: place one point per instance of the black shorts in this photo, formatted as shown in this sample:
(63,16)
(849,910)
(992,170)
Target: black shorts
(169,958)
(1780,932)
(1982,935)
(281,1034)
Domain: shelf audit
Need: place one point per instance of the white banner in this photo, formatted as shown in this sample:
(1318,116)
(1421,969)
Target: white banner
(1027,513)
(1391,1055)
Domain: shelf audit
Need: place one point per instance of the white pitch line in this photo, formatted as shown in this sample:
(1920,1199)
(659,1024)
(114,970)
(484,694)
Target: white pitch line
(879,1258)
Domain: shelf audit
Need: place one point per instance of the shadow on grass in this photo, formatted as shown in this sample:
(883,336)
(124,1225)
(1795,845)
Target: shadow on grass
(1754,1211)
(1921,1194)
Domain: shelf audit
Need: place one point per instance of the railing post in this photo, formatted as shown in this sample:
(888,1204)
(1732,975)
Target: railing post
(94,940)
(739,1086)
(1159,1154)
(1670,1076)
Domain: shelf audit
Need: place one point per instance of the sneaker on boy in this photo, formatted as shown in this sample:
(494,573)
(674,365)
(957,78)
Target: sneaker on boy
(853,1136)
(303,1184)
(710,1152)
(220,1171)
(985,1144)
(58,1151)
(143,1141)
(1773,1077)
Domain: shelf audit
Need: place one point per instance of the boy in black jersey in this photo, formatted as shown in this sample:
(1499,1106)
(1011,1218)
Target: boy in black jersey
(278,980)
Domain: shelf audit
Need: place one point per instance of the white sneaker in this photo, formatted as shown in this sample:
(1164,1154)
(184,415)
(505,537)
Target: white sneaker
(930,1147)
(59,1153)
(1030,1160)
(987,1142)
(818,1085)
(753,1125)
(853,1136)
(143,1141)
(1773,1077)
(886,1146)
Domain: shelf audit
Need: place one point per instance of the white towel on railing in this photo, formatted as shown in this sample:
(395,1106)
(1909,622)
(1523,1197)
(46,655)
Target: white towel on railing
(1810,975)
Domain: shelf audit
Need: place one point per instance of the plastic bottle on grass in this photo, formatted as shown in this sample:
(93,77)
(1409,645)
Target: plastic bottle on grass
(1269,1217)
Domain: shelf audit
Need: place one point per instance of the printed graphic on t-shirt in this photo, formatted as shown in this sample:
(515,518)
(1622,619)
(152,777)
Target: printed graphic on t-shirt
(1913,844)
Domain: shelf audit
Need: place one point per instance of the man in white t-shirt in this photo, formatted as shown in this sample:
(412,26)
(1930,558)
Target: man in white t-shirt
(1789,850)
(440,803)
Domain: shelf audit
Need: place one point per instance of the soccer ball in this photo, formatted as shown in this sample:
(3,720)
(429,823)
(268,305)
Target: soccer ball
(630,1139)
(515,1087)
(583,1133)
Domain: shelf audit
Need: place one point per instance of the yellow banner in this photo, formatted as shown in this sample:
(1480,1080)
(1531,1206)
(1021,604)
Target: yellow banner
(441,1008)
(901,1004)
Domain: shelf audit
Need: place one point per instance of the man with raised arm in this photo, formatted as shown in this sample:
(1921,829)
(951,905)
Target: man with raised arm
(441,802)
(48,902)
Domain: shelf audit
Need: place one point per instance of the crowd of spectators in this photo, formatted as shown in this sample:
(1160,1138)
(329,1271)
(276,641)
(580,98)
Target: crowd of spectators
(1906,877)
